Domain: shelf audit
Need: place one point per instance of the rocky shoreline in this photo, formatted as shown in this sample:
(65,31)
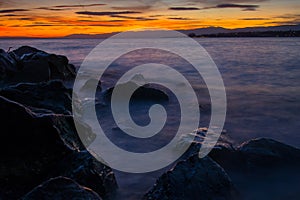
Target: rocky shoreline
(42,156)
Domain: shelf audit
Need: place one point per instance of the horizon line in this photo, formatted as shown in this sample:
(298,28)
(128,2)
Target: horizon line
(109,33)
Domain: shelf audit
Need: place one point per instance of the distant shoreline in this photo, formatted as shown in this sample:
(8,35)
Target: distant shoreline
(250,34)
(208,32)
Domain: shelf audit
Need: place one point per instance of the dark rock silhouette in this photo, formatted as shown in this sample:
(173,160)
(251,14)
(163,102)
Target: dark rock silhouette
(191,179)
(37,145)
(27,64)
(145,92)
(262,168)
(61,188)
(257,154)
(52,95)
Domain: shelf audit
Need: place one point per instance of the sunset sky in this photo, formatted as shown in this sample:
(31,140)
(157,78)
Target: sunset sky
(59,18)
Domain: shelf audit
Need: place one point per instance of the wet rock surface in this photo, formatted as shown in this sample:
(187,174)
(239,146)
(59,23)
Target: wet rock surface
(257,154)
(61,188)
(36,147)
(52,95)
(85,169)
(144,92)
(38,136)
(259,169)
(27,64)
(193,178)
(262,168)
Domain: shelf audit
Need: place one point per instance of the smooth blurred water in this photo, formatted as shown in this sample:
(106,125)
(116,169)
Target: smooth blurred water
(261,76)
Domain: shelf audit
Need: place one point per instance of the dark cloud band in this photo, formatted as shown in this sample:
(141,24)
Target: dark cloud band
(184,8)
(107,13)
(13,10)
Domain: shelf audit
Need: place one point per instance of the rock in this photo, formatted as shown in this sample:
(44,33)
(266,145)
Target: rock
(36,146)
(262,168)
(264,152)
(196,138)
(66,128)
(145,92)
(27,64)
(251,156)
(257,154)
(26,148)
(9,64)
(52,95)
(192,179)
(61,188)
(88,171)
(25,50)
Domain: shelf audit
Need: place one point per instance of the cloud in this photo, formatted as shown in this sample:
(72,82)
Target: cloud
(87,20)
(7,3)
(244,7)
(288,16)
(149,2)
(135,18)
(145,7)
(79,5)
(230,5)
(13,10)
(180,18)
(106,13)
(214,2)
(284,19)
(289,22)
(47,25)
(52,9)
(68,7)
(254,19)
(25,18)
(156,15)
(184,8)
(10,15)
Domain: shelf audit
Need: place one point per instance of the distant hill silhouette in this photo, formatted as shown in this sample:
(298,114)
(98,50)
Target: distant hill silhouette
(211,31)
(217,30)
(253,34)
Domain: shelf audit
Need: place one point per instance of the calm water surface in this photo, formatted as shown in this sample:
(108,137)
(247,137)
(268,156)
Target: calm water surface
(261,76)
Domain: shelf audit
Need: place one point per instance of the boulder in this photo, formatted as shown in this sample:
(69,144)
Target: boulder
(27,64)
(263,152)
(251,156)
(84,168)
(191,179)
(52,95)
(37,145)
(145,92)
(61,188)
(195,139)
(257,154)
(262,168)
(9,64)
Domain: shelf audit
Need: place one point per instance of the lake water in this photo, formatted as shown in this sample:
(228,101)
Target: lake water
(261,77)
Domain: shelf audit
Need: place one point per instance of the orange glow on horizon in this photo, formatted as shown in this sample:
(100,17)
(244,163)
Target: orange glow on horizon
(58,21)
